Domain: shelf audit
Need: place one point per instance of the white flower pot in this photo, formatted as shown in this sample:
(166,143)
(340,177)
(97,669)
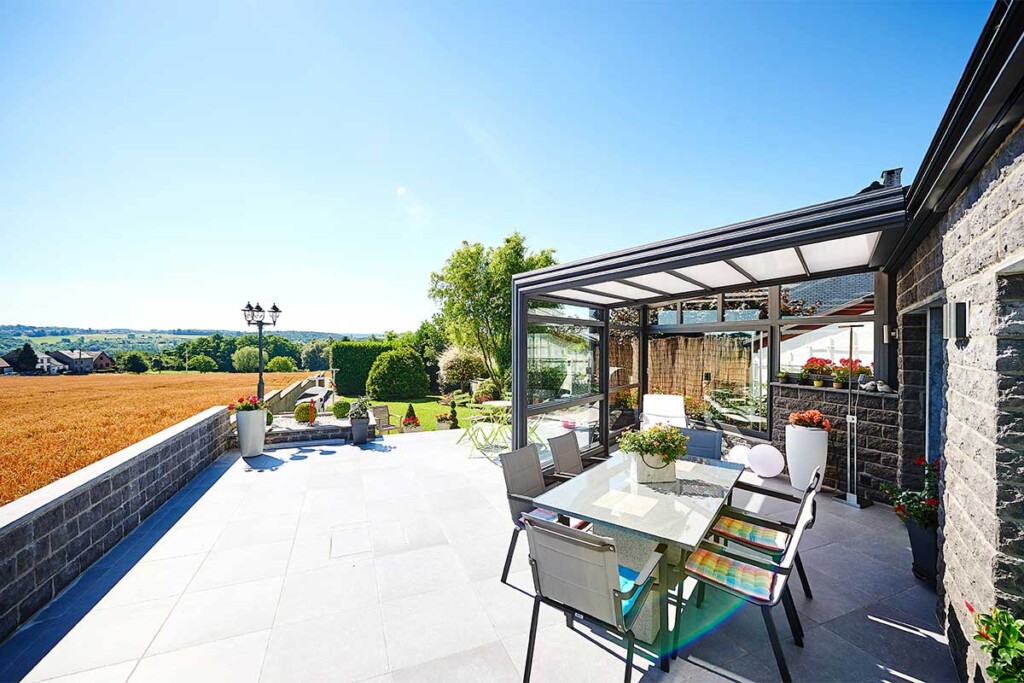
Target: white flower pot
(252,431)
(442,426)
(806,450)
(650,470)
(412,430)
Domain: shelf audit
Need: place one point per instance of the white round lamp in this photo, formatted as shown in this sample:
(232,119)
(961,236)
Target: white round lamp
(766,461)
(738,454)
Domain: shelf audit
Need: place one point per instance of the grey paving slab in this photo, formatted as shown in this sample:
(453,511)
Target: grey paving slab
(238,659)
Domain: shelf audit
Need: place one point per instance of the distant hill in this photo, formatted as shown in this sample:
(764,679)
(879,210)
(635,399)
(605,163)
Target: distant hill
(52,337)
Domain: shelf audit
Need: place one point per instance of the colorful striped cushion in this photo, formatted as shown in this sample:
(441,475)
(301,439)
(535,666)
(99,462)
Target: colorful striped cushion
(756,535)
(739,576)
(544,514)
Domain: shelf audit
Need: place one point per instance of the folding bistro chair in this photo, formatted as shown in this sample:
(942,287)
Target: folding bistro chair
(760,582)
(565,450)
(579,573)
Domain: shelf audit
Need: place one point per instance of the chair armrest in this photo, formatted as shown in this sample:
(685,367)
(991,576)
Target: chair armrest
(754,488)
(644,575)
(562,475)
(520,498)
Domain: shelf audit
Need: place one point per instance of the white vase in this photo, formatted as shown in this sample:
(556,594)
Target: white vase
(643,472)
(806,450)
(252,431)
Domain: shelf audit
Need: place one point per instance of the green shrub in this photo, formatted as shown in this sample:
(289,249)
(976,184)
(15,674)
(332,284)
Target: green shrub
(398,374)
(454,418)
(353,361)
(132,361)
(270,418)
(340,409)
(458,366)
(202,364)
(247,359)
(545,376)
(281,364)
(302,412)
(487,391)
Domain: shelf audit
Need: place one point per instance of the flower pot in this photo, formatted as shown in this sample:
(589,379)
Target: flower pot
(412,430)
(644,472)
(359,429)
(252,431)
(783,379)
(806,450)
(838,385)
(819,382)
(924,544)
(442,426)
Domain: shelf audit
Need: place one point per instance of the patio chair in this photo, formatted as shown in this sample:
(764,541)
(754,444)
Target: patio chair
(565,450)
(579,573)
(666,409)
(703,443)
(762,583)
(382,420)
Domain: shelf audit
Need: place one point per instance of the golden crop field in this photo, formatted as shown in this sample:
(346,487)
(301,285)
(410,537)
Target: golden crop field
(52,426)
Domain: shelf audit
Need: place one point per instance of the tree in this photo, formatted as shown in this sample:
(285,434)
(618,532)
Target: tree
(26,360)
(459,366)
(132,361)
(157,363)
(316,355)
(202,364)
(247,359)
(397,374)
(474,290)
(280,364)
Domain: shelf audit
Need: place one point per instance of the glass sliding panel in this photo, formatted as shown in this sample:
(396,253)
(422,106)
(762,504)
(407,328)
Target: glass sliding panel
(563,310)
(701,310)
(583,420)
(562,361)
(748,304)
(622,409)
(623,358)
(722,375)
(843,295)
(800,342)
(663,315)
(626,317)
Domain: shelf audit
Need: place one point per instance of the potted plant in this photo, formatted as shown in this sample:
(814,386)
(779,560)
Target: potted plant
(653,452)
(1000,635)
(411,423)
(444,421)
(783,377)
(839,380)
(454,424)
(849,371)
(251,420)
(818,369)
(806,447)
(359,418)
(919,511)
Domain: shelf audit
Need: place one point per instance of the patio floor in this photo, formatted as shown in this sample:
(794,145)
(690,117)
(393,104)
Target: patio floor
(381,563)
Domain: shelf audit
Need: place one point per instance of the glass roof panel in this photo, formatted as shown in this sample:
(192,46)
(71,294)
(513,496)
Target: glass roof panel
(665,282)
(586,297)
(717,274)
(771,265)
(622,289)
(846,252)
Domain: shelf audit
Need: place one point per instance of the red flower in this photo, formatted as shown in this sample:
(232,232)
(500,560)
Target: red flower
(253,399)
(241,399)
(919,460)
(970,607)
(934,502)
(984,634)
(231,407)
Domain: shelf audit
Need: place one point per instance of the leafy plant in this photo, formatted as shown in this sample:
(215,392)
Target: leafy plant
(410,419)
(202,364)
(999,633)
(458,366)
(921,506)
(305,412)
(244,404)
(246,359)
(398,374)
(454,418)
(281,364)
(340,409)
(444,418)
(818,366)
(487,391)
(812,419)
(360,409)
(545,376)
(667,443)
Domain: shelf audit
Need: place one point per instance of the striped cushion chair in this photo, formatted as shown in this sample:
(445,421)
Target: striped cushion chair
(764,583)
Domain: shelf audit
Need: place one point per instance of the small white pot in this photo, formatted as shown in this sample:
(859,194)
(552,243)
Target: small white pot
(252,431)
(412,430)
(442,426)
(806,450)
(645,473)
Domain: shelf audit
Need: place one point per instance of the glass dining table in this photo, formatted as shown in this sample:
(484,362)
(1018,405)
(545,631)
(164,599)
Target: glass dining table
(639,516)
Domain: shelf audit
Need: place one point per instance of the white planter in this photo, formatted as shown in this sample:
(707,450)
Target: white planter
(442,426)
(412,430)
(252,431)
(645,473)
(806,450)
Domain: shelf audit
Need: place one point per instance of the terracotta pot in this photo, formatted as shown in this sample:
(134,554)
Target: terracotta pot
(252,431)
(838,385)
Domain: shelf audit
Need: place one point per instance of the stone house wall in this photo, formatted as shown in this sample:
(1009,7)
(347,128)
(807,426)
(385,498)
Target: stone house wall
(981,531)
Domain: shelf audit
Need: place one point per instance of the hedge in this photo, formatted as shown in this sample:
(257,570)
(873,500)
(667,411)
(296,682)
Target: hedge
(354,360)
(398,374)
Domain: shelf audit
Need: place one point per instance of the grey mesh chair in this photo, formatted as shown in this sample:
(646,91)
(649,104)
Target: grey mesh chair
(703,443)
(579,573)
(760,582)
(524,480)
(565,450)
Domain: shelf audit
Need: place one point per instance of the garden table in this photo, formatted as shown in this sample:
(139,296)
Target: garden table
(640,516)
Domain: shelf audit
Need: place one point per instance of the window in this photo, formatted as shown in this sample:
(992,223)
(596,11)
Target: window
(537,307)
(663,315)
(701,310)
(624,317)
(843,295)
(582,420)
(562,361)
(622,409)
(800,342)
(747,304)
(623,358)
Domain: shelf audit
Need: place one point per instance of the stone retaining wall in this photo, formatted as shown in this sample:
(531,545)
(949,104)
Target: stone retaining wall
(52,535)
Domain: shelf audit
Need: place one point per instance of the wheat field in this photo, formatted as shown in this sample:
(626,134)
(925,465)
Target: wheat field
(52,426)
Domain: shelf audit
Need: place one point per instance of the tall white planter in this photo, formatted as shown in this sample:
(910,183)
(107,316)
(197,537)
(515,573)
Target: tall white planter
(642,470)
(252,431)
(806,450)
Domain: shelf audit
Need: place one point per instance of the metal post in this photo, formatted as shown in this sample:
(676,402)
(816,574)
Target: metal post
(259,386)
(850,497)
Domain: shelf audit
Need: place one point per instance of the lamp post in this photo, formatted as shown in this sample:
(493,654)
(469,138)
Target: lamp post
(257,316)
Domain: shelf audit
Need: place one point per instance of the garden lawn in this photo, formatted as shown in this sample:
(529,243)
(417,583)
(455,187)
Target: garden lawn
(427,409)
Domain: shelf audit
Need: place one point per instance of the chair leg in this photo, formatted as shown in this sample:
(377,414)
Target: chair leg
(677,629)
(532,641)
(773,636)
(803,577)
(569,619)
(794,619)
(630,646)
(700,594)
(511,553)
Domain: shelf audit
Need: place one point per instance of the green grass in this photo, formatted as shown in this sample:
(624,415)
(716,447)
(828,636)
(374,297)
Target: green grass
(427,409)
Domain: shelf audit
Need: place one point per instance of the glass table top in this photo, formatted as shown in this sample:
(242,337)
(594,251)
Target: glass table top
(679,512)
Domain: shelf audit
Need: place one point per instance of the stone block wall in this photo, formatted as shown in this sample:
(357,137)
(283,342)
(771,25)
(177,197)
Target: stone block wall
(877,432)
(963,259)
(52,535)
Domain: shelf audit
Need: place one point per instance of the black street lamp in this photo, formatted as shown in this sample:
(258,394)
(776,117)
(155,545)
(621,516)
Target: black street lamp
(257,316)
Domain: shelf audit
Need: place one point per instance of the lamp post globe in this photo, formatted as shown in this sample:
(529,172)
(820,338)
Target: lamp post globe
(255,315)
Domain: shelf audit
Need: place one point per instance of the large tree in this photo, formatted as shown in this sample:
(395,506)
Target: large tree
(474,291)
(26,359)
(247,359)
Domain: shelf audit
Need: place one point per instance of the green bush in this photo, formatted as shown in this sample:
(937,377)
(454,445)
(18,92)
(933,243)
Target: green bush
(302,412)
(132,361)
(458,366)
(545,376)
(247,359)
(340,409)
(398,374)
(281,364)
(202,364)
(353,361)
(455,418)
(487,391)
(270,418)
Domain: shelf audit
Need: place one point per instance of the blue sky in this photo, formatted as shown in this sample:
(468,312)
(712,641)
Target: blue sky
(163,163)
